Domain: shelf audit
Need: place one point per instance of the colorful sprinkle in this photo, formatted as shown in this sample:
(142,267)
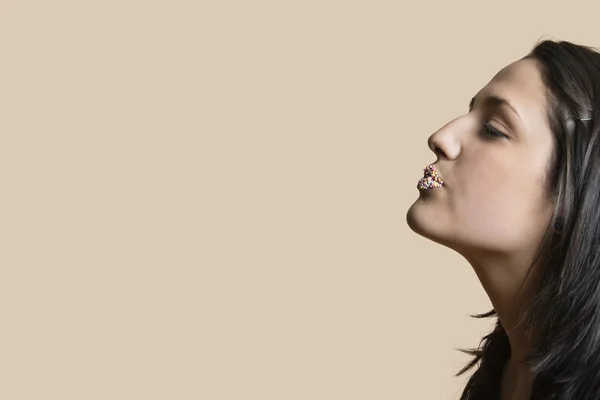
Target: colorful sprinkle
(431,179)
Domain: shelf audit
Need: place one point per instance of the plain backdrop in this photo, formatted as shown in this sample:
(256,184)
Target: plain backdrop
(207,199)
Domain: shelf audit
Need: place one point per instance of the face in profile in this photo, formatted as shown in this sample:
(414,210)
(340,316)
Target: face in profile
(493,163)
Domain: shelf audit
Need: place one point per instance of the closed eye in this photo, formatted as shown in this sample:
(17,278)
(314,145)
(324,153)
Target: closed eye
(492,132)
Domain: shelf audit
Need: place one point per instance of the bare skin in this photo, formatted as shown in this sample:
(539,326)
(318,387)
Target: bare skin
(516,384)
(493,209)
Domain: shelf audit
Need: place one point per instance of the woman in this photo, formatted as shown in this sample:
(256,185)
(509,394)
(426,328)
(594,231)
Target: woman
(515,190)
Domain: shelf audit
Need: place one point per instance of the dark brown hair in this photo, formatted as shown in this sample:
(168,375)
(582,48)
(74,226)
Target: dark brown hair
(565,312)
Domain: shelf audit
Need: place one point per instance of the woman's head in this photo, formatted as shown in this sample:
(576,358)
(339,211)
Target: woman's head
(534,193)
(493,161)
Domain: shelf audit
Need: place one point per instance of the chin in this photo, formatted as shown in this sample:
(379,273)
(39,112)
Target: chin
(411,220)
(419,221)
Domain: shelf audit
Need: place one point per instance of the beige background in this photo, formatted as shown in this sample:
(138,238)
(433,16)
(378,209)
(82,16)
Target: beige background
(206,200)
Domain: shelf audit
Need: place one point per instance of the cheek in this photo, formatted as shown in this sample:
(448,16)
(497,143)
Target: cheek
(497,206)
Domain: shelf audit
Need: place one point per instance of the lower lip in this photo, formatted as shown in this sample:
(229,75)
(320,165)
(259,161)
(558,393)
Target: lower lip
(424,185)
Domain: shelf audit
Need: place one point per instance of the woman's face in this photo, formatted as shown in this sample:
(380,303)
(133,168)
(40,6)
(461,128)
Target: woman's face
(493,198)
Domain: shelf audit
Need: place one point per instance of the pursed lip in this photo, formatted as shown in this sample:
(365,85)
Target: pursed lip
(431,179)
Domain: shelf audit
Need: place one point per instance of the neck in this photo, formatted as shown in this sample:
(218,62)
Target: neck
(515,382)
(510,290)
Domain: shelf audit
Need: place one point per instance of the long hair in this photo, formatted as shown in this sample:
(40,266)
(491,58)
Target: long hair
(564,359)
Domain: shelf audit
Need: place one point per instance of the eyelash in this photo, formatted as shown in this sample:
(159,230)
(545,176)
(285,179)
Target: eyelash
(492,132)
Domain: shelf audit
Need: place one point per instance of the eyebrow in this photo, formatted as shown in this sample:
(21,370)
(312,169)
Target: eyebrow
(496,101)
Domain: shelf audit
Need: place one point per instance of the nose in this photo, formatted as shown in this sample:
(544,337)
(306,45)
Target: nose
(445,142)
(435,146)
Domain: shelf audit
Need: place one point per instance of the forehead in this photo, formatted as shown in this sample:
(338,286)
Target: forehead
(521,84)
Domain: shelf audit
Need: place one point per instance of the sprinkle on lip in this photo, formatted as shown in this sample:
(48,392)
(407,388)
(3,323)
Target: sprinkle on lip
(431,179)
